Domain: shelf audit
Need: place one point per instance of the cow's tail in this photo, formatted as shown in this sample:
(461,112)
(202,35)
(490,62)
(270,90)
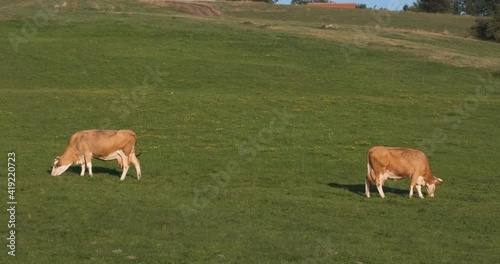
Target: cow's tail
(369,169)
(136,153)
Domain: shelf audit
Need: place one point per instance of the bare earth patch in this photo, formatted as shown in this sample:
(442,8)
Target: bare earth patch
(6,9)
(6,17)
(198,9)
(17,5)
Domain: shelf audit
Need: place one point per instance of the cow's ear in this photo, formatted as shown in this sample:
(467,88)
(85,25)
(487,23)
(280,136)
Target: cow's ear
(56,161)
(439,181)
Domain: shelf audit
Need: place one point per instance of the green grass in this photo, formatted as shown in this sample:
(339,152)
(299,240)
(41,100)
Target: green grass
(458,25)
(253,143)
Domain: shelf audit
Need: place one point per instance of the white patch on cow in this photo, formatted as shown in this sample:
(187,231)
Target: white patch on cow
(89,166)
(83,170)
(367,187)
(125,165)
(58,170)
(113,155)
(420,180)
(389,175)
(81,160)
(383,177)
(432,187)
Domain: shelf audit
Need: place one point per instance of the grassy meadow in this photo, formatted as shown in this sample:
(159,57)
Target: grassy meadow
(253,125)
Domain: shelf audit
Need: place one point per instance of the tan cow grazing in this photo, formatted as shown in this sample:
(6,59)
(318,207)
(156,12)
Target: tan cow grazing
(397,163)
(101,144)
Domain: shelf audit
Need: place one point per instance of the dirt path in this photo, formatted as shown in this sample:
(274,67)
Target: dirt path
(17,5)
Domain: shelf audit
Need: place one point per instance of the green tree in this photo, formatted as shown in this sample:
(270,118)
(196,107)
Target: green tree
(414,7)
(458,6)
(475,7)
(492,7)
(488,28)
(434,6)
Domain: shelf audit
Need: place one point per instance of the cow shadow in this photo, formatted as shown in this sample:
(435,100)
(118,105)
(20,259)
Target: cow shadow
(95,170)
(359,189)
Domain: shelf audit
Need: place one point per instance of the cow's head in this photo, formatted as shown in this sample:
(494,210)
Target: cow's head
(431,186)
(58,168)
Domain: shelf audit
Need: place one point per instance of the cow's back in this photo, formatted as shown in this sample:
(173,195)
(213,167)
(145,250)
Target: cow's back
(104,142)
(379,156)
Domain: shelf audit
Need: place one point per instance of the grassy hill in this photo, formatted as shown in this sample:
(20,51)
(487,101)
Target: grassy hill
(253,124)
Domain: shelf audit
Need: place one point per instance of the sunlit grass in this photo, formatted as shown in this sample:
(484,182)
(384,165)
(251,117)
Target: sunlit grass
(253,143)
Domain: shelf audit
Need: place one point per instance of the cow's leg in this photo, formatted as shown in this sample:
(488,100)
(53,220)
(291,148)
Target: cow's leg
(380,191)
(367,187)
(83,169)
(137,164)
(89,166)
(419,189)
(88,162)
(125,168)
(368,180)
(380,183)
(125,164)
(119,161)
(82,164)
(416,181)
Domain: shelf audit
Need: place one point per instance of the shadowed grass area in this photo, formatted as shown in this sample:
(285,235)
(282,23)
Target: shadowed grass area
(253,139)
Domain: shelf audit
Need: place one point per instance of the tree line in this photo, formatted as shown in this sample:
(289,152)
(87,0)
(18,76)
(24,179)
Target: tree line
(487,24)
(459,7)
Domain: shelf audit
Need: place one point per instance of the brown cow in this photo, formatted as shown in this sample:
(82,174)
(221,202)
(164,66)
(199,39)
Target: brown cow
(397,163)
(101,144)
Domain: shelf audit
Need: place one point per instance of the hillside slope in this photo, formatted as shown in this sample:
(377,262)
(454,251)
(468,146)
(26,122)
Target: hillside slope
(437,37)
(253,122)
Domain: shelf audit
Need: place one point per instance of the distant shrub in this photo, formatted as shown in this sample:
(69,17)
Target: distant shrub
(434,6)
(487,28)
